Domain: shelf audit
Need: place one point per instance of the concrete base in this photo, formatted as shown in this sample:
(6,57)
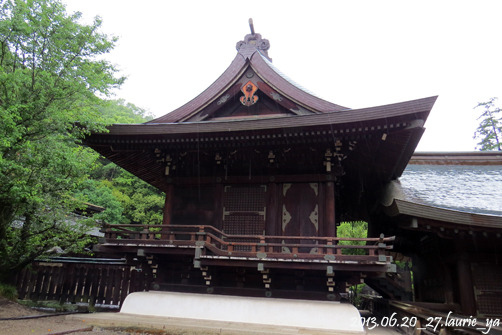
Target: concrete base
(243,313)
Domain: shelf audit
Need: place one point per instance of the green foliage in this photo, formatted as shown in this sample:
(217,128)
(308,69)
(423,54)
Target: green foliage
(51,73)
(118,111)
(355,292)
(489,131)
(354,229)
(126,198)
(100,193)
(8,291)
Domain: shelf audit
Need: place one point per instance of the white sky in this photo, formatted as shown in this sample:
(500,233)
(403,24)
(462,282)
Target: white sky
(353,53)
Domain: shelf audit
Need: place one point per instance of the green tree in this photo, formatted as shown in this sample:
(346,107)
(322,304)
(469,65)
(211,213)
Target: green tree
(119,111)
(353,229)
(125,197)
(489,131)
(51,74)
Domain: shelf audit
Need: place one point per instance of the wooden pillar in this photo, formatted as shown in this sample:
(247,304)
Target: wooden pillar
(217,221)
(168,205)
(329,222)
(465,284)
(448,284)
(272,223)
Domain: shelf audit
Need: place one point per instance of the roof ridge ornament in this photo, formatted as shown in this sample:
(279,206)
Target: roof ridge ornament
(251,26)
(253,42)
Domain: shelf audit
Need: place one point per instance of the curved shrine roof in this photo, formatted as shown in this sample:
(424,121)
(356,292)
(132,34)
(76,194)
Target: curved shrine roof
(252,105)
(251,64)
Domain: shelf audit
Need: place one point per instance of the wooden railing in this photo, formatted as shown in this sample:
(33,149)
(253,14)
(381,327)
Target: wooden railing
(223,244)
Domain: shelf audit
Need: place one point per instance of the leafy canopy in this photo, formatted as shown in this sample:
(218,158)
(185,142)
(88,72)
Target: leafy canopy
(489,131)
(51,74)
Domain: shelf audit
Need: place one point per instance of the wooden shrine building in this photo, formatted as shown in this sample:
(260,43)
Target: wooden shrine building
(257,174)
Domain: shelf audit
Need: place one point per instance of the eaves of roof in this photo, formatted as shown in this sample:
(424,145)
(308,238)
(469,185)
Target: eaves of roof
(457,158)
(408,111)
(464,219)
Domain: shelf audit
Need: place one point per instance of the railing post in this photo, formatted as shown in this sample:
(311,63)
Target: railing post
(338,249)
(200,234)
(262,244)
(381,249)
(329,250)
(144,234)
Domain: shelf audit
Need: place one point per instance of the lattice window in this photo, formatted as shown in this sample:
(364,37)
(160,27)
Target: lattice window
(244,198)
(488,288)
(244,224)
(489,303)
(244,210)
(487,276)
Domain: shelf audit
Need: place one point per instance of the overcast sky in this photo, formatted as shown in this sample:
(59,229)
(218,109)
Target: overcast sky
(353,53)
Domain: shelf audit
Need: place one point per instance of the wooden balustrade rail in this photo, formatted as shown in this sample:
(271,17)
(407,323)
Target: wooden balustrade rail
(222,243)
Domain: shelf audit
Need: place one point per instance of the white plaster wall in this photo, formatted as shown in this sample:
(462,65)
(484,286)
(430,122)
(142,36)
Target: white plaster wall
(268,311)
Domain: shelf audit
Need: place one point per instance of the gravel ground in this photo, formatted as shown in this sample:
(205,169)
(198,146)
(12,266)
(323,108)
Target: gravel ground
(51,325)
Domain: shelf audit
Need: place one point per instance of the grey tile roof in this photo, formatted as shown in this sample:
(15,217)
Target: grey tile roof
(467,188)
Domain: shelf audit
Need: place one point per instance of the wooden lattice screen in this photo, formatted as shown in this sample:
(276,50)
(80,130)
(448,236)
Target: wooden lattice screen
(244,210)
(488,288)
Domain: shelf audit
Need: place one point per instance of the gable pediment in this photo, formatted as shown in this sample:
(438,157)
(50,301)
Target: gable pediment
(248,97)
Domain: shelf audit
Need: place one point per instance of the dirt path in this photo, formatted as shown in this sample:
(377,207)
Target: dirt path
(51,325)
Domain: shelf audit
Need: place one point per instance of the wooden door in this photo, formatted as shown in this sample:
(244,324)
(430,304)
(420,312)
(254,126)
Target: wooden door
(300,209)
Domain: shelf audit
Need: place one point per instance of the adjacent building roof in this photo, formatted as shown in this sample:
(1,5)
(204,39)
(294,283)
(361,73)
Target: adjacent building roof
(463,187)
